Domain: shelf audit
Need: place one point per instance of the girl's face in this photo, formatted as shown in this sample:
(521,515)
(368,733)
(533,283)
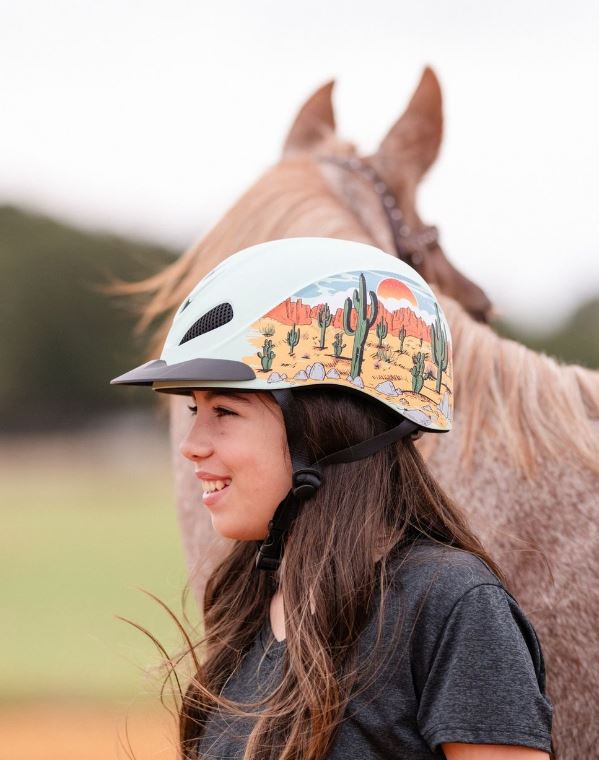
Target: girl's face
(238,440)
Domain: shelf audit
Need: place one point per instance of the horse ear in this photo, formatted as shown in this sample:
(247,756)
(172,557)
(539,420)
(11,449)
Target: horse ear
(412,144)
(314,124)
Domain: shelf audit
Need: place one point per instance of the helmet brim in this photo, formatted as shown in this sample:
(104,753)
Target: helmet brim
(194,369)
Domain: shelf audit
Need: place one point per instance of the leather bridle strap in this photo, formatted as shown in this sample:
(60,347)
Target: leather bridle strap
(410,246)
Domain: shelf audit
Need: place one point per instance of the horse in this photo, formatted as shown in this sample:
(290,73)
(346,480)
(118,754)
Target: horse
(523,456)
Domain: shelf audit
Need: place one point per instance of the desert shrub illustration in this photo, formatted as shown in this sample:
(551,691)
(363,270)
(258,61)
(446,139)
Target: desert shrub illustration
(439,347)
(266,355)
(338,344)
(381,332)
(363,322)
(402,337)
(292,338)
(268,330)
(324,320)
(384,355)
(417,371)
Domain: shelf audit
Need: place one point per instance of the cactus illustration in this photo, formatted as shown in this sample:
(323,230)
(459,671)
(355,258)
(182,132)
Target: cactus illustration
(363,322)
(417,372)
(439,347)
(324,320)
(420,341)
(338,344)
(266,355)
(381,331)
(402,337)
(292,338)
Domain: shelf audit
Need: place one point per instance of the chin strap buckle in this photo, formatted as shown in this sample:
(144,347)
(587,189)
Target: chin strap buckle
(269,550)
(268,556)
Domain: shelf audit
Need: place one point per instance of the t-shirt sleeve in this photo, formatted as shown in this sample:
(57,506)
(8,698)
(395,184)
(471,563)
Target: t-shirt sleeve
(486,682)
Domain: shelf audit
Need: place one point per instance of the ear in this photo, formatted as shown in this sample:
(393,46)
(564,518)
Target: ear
(412,144)
(314,124)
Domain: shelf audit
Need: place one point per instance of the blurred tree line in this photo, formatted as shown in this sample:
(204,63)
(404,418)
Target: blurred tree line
(576,341)
(62,339)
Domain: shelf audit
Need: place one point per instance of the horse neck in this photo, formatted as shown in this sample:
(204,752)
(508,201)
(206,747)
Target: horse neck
(526,404)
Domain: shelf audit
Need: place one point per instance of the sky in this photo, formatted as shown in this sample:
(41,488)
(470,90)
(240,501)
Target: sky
(150,119)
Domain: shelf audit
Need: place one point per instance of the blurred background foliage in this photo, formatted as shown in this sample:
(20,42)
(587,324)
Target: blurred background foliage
(62,339)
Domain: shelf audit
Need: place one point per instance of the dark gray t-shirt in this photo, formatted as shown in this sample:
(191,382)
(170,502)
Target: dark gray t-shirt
(473,669)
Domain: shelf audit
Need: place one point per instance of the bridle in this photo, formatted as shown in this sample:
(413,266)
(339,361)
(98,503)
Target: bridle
(410,246)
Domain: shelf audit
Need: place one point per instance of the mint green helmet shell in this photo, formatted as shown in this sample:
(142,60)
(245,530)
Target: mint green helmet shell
(307,311)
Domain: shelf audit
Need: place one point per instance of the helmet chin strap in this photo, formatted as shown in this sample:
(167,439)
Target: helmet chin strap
(307,477)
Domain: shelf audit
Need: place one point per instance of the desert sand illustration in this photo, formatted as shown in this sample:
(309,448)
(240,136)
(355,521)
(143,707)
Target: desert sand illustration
(395,355)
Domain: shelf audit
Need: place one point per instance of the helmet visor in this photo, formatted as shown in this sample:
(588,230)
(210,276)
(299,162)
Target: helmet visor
(194,370)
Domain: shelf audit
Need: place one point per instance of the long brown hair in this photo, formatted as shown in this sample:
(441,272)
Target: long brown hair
(335,563)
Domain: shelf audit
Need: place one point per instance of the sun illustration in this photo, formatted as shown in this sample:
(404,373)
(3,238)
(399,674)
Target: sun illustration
(390,289)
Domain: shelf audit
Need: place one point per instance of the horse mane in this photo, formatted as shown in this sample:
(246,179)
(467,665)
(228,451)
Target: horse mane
(531,405)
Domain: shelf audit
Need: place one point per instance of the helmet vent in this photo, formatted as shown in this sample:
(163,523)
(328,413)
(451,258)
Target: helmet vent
(216,317)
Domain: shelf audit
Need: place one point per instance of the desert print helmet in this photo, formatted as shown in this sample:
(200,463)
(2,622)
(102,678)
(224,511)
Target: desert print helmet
(291,313)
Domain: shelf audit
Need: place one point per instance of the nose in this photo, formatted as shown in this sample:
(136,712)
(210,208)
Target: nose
(196,445)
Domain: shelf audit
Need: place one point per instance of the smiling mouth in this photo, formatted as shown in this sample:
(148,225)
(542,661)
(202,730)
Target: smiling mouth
(213,486)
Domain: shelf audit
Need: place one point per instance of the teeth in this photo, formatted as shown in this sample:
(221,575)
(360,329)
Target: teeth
(214,485)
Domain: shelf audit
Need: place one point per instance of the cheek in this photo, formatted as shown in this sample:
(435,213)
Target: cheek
(266,472)
(262,479)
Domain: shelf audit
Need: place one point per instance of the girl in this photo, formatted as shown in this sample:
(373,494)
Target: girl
(356,615)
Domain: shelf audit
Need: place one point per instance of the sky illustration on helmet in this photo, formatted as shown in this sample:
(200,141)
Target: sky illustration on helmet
(368,330)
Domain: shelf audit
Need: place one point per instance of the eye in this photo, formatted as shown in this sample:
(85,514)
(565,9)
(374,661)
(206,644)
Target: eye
(219,410)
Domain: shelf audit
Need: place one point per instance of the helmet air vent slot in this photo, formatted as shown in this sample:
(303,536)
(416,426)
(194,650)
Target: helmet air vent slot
(216,317)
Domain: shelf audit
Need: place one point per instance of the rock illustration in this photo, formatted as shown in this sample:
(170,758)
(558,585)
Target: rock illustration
(388,388)
(317,371)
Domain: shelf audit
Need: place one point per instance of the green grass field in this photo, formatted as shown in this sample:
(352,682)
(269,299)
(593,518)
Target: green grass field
(75,541)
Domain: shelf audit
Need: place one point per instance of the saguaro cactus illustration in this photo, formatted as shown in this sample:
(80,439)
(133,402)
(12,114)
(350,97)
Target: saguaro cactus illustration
(439,346)
(417,372)
(363,322)
(338,344)
(402,337)
(381,331)
(266,355)
(292,338)
(324,320)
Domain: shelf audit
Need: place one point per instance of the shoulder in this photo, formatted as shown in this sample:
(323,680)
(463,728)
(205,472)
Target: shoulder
(475,660)
(431,585)
(437,575)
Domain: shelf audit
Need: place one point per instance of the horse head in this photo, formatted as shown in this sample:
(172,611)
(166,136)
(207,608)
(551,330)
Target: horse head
(380,189)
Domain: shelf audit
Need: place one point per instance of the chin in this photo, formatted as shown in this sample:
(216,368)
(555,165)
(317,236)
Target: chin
(238,532)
